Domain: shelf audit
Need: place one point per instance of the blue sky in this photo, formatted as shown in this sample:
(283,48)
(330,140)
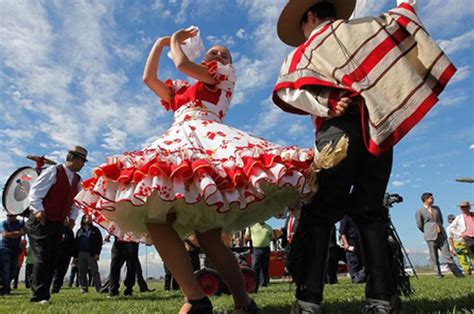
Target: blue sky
(70,73)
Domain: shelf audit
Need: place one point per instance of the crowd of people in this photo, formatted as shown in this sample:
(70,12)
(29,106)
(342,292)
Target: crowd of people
(205,178)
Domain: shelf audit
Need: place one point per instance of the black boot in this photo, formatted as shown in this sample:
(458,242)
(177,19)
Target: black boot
(315,242)
(201,306)
(376,254)
(250,308)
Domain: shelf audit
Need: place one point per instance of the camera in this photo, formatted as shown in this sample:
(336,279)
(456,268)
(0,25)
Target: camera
(390,199)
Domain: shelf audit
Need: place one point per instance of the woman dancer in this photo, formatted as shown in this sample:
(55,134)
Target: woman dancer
(201,176)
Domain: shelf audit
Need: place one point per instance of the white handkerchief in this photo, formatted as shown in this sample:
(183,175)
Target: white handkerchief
(192,47)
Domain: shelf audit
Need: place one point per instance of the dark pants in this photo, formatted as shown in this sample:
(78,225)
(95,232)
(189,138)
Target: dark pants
(9,269)
(470,246)
(260,261)
(74,274)
(139,273)
(354,262)
(123,252)
(169,280)
(355,187)
(60,269)
(28,274)
(331,266)
(44,243)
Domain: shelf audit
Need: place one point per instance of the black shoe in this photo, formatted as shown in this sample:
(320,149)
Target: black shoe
(54,290)
(201,306)
(147,290)
(113,295)
(250,308)
(128,292)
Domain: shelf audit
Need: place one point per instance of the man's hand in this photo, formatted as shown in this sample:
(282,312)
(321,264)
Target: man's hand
(453,252)
(41,216)
(341,107)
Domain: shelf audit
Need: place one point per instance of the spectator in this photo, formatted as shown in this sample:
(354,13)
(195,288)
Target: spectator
(51,203)
(464,224)
(13,230)
(429,220)
(89,242)
(458,246)
(333,259)
(261,236)
(170,282)
(122,252)
(73,273)
(351,242)
(21,258)
(142,284)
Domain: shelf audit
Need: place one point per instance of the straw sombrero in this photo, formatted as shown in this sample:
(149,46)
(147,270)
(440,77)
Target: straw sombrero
(288,27)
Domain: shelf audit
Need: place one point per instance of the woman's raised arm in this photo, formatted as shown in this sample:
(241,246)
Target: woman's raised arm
(150,77)
(182,62)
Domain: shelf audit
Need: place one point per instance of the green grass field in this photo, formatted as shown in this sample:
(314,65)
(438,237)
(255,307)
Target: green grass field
(448,295)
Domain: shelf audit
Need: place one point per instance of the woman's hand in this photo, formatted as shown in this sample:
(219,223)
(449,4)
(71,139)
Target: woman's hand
(164,41)
(183,34)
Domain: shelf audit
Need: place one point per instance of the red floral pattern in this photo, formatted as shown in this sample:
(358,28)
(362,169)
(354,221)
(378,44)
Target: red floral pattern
(201,162)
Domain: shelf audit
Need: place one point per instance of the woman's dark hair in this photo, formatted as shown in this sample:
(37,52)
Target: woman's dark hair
(323,10)
(426,196)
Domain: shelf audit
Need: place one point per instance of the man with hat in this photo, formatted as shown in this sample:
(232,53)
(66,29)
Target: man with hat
(368,81)
(457,244)
(464,224)
(51,204)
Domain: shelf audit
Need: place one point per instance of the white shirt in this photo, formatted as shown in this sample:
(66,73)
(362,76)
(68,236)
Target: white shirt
(303,99)
(456,228)
(41,187)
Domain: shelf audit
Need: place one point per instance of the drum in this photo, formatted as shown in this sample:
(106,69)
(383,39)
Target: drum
(15,193)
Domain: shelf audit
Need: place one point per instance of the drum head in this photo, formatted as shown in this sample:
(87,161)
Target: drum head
(15,193)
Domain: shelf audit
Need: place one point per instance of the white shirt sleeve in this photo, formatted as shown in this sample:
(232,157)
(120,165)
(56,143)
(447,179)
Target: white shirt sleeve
(74,209)
(303,100)
(413,3)
(41,187)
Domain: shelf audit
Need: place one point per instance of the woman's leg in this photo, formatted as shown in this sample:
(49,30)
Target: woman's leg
(225,263)
(172,251)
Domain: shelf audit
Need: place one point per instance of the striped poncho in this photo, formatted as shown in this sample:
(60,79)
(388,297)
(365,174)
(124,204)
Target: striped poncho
(390,61)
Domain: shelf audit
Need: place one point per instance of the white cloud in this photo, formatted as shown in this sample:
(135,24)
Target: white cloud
(472,146)
(463,73)
(224,40)
(369,8)
(241,34)
(161,8)
(445,16)
(181,16)
(115,139)
(297,129)
(400,183)
(457,43)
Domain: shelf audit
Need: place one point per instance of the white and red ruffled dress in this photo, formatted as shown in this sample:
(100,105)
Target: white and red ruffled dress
(207,173)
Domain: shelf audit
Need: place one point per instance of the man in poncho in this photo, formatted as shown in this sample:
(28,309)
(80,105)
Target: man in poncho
(365,82)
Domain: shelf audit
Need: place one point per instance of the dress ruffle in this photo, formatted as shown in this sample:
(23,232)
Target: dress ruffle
(204,190)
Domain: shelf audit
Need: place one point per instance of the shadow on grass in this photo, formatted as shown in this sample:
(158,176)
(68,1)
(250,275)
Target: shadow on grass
(445,305)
